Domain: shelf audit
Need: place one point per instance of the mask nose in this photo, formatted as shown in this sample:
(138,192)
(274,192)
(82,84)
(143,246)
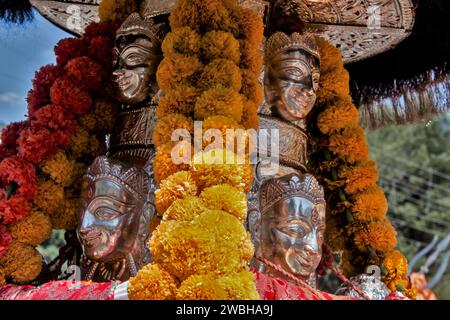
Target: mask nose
(117,74)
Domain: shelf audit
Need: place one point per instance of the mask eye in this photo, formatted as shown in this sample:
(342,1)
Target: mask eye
(294,230)
(105,213)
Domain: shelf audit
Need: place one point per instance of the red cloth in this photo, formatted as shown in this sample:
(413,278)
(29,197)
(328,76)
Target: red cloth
(278,289)
(60,290)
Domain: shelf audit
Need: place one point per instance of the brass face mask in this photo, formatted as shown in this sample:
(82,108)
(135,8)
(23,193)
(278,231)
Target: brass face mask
(113,212)
(135,64)
(292,223)
(296,227)
(291,82)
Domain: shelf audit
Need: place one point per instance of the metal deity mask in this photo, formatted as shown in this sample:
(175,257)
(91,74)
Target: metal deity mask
(114,215)
(292,74)
(292,223)
(136,57)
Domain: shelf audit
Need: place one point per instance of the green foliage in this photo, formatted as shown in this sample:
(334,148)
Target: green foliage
(50,248)
(414,168)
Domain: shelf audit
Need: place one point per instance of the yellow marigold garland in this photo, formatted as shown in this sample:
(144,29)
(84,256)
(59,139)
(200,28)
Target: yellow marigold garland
(201,240)
(357,226)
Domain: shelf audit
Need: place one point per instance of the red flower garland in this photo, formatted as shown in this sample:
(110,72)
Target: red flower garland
(60,93)
(5,240)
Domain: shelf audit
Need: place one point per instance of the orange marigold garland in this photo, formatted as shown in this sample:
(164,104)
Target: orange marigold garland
(39,182)
(201,242)
(357,226)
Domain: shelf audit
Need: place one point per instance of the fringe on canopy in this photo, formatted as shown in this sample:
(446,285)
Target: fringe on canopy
(15,11)
(412,106)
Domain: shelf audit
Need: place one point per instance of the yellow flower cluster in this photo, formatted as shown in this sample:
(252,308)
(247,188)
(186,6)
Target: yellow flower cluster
(237,286)
(163,285)
(356,224)
(206,74)
(33,230)
(21,262)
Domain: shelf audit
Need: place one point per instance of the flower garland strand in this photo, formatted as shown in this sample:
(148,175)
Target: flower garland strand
(357,225)
(43,158)
(209,72)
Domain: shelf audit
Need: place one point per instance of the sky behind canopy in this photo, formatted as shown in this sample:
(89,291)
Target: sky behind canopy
(23,50)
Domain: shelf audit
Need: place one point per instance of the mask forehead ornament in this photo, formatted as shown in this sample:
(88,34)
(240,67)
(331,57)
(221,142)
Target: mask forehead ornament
(293,185)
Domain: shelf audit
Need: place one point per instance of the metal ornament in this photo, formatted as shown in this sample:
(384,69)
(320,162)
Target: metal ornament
(114,218)
(371,285)
(292,73)
(292,225)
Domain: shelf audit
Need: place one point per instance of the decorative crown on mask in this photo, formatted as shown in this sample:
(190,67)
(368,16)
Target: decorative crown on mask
(281,42)
(136,25)
(135,180)
(291,185)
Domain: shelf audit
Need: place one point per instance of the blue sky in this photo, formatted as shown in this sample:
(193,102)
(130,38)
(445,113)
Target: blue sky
(23,50)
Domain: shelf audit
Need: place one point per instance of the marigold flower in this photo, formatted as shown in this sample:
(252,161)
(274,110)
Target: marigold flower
(14,209)
(370,203)
(358,176)
(152,283)
(330,56)
(223,124)
(49,196)
(334,236)
(44,79)
(85,73)
(251,26)
(36,145)
(351,145)
(220,73)
(200,247)
(69,48)
(396,266)
(97,29)
(22,262)
(176,186)
(219,102)
(66,94)
(168,124)
(5,241)
(218,166)
(178,100)
(202,15)
(251,57)
(35,100)
(176,70)
(117,10)
(333,85)
(2,277)
(378,234)
(250,118)
(185,209)
(251,88)
(11,133)
(226,198)
(237,286)
(164,164)
(182,40)
(105,115)
(81,143)
(343,114)
(66,215)
(59,168)
(17,170)
(100,49)
(33,229)
(220,45)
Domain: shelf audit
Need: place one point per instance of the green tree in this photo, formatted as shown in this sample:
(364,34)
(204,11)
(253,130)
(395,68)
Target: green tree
(414,169)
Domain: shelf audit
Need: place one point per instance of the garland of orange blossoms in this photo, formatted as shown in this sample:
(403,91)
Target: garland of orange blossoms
(43,157)
(357,225)
(209,72)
